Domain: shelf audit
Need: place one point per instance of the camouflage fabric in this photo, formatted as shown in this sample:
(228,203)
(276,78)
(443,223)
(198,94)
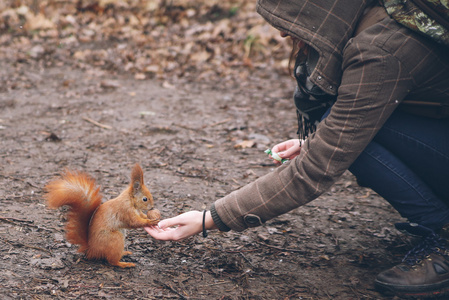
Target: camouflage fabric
(410,15)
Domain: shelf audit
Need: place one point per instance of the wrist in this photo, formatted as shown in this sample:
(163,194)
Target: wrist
(209,222)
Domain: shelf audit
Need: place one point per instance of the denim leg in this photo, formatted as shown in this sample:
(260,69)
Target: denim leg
(407,163)
(423,145)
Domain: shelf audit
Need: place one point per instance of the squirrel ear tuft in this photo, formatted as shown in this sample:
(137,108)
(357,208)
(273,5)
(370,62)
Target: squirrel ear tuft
(137,177)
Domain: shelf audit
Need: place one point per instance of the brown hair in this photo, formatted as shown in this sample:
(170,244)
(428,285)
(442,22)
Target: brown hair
(299,50)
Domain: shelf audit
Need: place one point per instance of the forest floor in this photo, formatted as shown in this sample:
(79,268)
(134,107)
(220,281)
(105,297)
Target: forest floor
(199,132)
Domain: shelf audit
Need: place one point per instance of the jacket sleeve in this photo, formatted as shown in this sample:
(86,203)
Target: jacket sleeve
(373,84)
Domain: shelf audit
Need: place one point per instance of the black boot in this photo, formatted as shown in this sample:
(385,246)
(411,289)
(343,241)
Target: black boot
(424,271)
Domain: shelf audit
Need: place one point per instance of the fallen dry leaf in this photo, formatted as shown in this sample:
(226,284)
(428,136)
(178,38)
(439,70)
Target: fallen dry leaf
(214,41)
(244,144)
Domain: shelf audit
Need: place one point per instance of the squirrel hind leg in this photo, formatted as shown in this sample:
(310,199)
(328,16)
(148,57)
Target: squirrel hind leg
(112,249)
(114,258)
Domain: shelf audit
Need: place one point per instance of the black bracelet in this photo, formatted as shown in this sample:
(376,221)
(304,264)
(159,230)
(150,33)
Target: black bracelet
(204,225)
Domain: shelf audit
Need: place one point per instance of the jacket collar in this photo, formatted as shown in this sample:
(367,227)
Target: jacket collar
(323,24)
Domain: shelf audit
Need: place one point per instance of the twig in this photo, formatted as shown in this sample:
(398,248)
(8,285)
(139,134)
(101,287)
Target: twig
(25,222)
(12,220)
(20,179)
(97,123)
(170,288)
(247,260)
(240,251)
(185,127)
(18,244)
(217,283)
(218,123)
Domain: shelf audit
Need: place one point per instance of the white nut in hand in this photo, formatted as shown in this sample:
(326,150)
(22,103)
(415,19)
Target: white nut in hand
(275,156)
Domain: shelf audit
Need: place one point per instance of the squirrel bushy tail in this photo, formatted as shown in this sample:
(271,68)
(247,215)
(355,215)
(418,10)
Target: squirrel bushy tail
(78,191)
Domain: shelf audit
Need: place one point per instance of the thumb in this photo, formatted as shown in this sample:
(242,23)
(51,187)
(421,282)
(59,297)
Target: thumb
(286,153)
(282,154)
(291,151)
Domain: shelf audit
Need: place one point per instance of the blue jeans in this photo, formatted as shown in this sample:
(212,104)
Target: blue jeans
(407,163)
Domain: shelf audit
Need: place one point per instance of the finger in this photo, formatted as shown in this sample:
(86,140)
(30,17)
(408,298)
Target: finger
(164,235)
(293,150)
(169,235)
(279,147)
(171,222)
(155,228)
(284,146)
(287,153)
(152,229)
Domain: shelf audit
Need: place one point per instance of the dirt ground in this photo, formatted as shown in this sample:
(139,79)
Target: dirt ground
(196,143)
(70,99)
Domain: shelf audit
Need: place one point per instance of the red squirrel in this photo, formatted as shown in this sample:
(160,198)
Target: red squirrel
(99,228)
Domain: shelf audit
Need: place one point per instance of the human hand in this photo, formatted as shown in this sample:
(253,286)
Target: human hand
(181,227)
(288,149)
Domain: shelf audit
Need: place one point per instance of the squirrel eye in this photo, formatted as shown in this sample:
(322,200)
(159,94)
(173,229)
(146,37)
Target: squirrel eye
(145,199)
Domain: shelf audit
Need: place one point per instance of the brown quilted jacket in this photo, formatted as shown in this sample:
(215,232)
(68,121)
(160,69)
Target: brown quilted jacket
(372,73)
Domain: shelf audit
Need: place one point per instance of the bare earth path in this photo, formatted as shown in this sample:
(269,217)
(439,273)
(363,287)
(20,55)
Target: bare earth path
(196,143)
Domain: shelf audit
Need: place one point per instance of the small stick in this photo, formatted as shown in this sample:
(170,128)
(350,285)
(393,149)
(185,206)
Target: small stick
(280,248)
(218,123)
(217,283)
(245,258)
(23,180)
(14,244)
(97,123)
(25,223)
(12,220)
(171,289)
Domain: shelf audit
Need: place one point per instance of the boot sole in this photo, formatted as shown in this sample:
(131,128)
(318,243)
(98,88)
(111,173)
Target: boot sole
(435,290)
